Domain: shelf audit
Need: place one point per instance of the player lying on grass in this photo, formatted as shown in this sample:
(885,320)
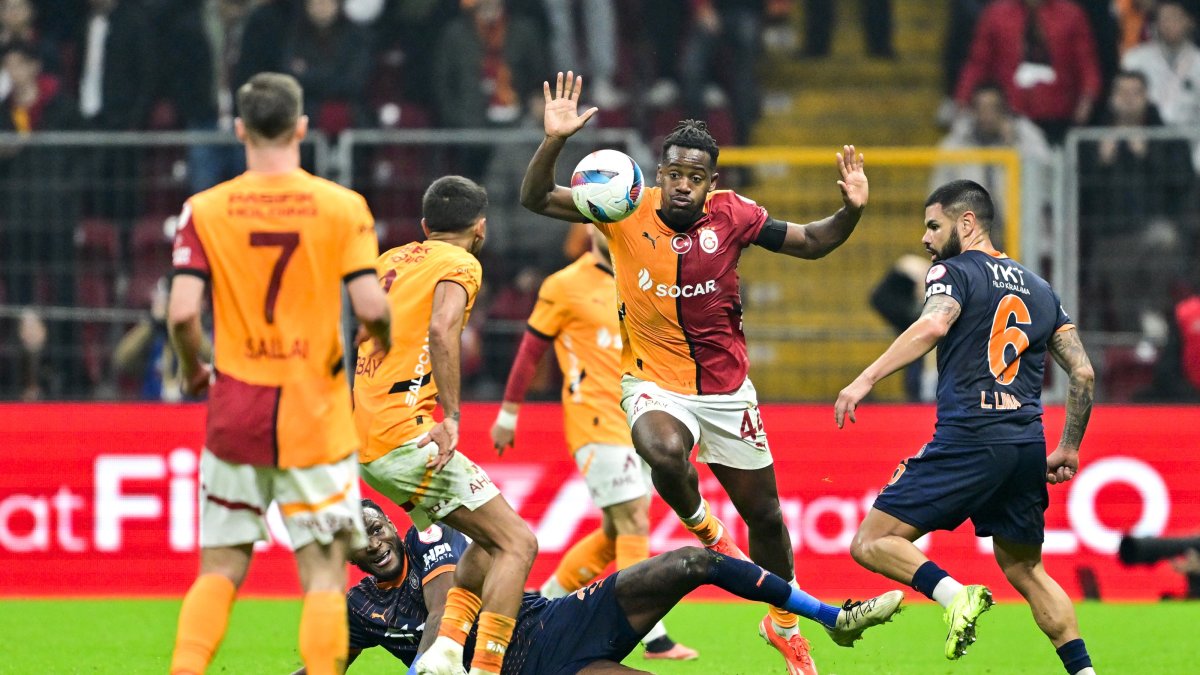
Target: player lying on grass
(588,631)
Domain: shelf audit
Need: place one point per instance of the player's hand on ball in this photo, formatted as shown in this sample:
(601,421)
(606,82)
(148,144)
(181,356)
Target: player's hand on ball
(1062,465)
(445,435)
(853,181)
(848,400)
(562,118)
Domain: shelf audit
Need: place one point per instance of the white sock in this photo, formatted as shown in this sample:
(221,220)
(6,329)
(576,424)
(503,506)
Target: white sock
(659,630)
(946,589)
(552,589)
(1086,671)
(697,517)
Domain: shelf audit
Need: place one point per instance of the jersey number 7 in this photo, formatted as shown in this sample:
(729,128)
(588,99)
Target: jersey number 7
(287,242)
(1012,308)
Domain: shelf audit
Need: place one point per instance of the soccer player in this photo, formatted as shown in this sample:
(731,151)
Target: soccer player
(683,361)
(588,631)
(993,321)
(575,313)
(274,245)
(411,458)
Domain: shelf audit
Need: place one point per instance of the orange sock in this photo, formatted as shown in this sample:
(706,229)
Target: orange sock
(708,530)
(632,549)
(495,630)
(202,622)
(585,560)
(462,606)
(324,633)
(782,618)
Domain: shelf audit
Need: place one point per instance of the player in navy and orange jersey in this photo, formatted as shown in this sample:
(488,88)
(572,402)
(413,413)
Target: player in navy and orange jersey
(684,361)
(588,631)
(993,321)
(576,313)
(411,458)
(274,245)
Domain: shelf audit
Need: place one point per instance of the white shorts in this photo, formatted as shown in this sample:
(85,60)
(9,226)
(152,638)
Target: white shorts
(727,427)
(401,476)
(614,473)
(316,502)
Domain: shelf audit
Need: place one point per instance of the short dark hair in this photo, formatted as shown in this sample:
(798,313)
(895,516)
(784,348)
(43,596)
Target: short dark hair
(368,503)
(959,196)
(453,203)
(1132,75)
(269,105)
(692,134)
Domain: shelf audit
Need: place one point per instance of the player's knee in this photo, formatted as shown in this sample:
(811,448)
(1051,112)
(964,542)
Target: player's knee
(524,544)
(664,454)
(695,563)
(763,515)
(864,550)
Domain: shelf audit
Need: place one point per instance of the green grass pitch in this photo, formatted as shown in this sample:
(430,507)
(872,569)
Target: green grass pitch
(135,636)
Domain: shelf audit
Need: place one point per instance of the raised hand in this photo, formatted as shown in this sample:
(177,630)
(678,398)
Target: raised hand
(562,117)
(853,181)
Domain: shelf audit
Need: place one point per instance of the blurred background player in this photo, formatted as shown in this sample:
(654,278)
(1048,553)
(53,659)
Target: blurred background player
(589,631)
(275,243)
(993,321)
(412,459)
(576,312)
(684,363)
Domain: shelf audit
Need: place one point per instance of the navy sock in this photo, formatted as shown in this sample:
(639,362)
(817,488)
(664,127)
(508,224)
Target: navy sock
(926,578)
(1074,656)
(749,581)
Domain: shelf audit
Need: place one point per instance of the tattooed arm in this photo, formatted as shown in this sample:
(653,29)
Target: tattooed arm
(1068,352)
(939,314)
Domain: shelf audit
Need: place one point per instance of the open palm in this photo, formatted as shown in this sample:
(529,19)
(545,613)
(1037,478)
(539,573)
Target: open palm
(562,118)
(853,182)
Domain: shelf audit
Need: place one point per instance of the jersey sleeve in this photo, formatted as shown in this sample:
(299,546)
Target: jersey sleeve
(550,313)
(362,247)
(1062,320)
(465,272)
(748,218)
(434,551)
(946,279)
(188,256)
(360,636)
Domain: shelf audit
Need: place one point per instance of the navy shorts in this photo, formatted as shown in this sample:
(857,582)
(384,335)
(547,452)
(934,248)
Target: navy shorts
(1001,488)
(571,632)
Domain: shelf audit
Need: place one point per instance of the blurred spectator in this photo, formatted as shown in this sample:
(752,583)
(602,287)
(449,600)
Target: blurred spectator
(31,345)
(506,315)
(262,43)
(38,207)
(1177,371)
(990,124)
(1134,20)
(664,49)
(1042,53)
(17,26)
(408,34)
(600,18)
(1171,64)
(819,20)
(1133,190)
(736,24)
(331,57)
(898,298)
(144,353)
(963,18)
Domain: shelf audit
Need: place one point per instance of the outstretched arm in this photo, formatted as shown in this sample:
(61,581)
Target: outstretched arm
(538,191)
(939,314)
(816,239)
(1068,352)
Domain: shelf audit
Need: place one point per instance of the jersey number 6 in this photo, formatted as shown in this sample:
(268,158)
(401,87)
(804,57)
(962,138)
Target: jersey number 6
(287,242)
(1003,336)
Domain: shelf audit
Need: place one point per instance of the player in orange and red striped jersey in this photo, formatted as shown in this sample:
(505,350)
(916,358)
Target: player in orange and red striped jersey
(576,313)
(274,245)
(684,361)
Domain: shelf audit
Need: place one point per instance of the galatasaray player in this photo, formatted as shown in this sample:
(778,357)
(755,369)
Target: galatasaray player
(274,245)
(684,365)
(413,459)
(992,321)
(575,313)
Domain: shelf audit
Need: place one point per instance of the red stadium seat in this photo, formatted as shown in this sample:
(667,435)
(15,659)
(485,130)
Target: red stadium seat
(334,117)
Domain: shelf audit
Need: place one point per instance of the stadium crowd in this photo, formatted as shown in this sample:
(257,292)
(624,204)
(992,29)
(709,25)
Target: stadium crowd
(1018,73)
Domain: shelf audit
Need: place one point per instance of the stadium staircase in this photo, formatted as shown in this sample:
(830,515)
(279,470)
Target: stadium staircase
(810,324)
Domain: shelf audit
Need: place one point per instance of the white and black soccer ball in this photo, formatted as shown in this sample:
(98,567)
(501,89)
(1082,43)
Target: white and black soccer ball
(607,186)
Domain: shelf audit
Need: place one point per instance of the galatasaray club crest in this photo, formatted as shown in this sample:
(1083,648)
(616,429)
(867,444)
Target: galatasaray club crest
(708,240)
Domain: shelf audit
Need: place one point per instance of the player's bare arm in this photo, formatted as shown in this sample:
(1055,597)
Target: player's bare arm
(816,239)
(445,355)
(1068,352)
(938,315)
(434,592)
(562,119)
(183,326)
(371,309)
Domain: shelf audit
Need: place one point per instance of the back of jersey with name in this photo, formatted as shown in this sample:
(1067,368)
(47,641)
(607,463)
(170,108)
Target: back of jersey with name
(992,362)
(276,249)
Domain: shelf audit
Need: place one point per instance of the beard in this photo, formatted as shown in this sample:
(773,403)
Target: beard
(952,248)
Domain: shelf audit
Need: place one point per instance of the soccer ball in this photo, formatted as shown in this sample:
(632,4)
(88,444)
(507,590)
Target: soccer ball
(607,186)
